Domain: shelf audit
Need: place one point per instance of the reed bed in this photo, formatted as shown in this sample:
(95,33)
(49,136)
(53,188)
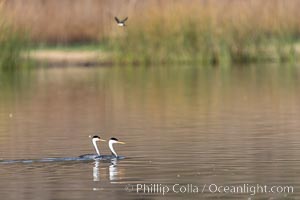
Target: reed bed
(207,31)
(12,44)
(211,32)
(64,22)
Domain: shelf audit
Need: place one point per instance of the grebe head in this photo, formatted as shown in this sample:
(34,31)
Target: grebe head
(115,140)
(110,144)
(95,139)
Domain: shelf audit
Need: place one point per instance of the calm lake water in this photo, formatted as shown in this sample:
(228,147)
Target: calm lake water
(186,128)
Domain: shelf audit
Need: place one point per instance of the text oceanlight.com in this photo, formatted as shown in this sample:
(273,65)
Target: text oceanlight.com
(250,189)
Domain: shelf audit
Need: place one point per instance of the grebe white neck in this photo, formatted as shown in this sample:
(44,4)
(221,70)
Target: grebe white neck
(94,140)
(110,144)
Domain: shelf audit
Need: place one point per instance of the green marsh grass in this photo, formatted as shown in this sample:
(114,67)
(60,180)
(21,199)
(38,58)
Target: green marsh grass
(212,33)
(13,44)
(207,31)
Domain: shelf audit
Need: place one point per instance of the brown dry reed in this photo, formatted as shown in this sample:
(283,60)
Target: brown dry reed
(12,43)
(207,31)
(212,32)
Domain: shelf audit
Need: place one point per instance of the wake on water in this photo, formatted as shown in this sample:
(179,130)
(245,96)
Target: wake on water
(86,157)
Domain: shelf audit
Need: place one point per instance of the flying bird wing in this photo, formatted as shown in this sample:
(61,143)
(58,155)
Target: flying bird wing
(118,21)
(124,19)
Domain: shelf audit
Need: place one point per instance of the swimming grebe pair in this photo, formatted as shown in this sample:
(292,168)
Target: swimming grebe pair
(111,141)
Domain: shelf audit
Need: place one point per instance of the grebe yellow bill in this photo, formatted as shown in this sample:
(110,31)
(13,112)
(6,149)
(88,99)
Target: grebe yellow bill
(95,139)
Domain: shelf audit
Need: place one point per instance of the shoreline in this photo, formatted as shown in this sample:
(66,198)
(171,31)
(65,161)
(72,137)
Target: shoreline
(69,57)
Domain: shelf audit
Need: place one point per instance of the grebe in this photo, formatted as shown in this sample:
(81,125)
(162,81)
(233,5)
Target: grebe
(95,139)
(114,155)
(110,144)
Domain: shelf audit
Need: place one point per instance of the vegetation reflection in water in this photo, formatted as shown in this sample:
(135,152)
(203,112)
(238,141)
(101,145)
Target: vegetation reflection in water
(238,124)
(182,84)
(154,92)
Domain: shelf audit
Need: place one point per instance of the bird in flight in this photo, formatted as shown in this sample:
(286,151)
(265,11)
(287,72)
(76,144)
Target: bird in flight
(121,22)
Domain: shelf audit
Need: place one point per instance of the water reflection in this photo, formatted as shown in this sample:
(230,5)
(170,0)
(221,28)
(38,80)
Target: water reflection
(113,171)
(16,80)
(96,171)
(183,124)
